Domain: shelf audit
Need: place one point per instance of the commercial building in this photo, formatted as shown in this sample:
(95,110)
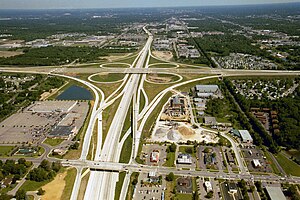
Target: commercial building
(256,163)
(184,159)
(208,186)
(63,132)
(154,157)
(207,89)
(275,193)
(245,136)
(210,121)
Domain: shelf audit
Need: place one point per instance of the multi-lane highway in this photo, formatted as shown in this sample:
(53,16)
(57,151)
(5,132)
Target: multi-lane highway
(101,185)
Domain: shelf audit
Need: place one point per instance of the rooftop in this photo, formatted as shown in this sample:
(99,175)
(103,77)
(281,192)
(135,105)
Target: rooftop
(275,193)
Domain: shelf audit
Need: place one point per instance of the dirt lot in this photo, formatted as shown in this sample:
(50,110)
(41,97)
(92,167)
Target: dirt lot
(185,131)
(7,54)
(54,189)
(165,55)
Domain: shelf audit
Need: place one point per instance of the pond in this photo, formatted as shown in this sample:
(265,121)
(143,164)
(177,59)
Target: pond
(75,92)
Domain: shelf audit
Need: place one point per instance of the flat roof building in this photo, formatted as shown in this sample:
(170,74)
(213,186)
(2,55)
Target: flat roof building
(184,159)
(245,136)
(210,121)
(275,193)
(208,186)
(256,163)
(154,157)
(207,88)
(64,132)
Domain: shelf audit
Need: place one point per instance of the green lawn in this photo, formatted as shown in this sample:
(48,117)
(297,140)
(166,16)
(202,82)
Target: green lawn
(172,77)
(186,150)
(5,150)
(288,166)
(273,165)
(142,102)
(162,65)
(53,142)
(170,160)
(118,65)
(108,77)
(70,179)
(119,185)
(133,176)
(154,60)
(126,150)
(33,185)
(184,196)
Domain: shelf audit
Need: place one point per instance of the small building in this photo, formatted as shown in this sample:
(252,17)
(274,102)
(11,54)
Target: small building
(154,157)
(208,186)
(210,121)
(245,136)
(232,188)
(184,159)
(256,163)
(63,132)
(275,193)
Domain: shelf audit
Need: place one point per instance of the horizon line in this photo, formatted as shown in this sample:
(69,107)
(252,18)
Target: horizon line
(139,7)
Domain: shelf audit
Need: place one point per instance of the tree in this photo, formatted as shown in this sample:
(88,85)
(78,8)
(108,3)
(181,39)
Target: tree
(21,195)
(45,164)
(209,195)
(56,166)
(170,176)
(172,147)
(41,191)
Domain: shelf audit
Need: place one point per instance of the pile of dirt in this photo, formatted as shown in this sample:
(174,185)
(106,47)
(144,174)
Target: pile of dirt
(185,131)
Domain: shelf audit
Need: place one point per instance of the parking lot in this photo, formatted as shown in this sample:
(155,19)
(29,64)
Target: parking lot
(149,191)
(254,153)
(32,124)
(149,148)
(210,158)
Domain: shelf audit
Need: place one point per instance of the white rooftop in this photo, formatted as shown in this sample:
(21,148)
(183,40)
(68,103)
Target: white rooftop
(245,136)
(275,193)
(207,88)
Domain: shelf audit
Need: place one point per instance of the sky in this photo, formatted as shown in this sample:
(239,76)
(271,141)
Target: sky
(54,4)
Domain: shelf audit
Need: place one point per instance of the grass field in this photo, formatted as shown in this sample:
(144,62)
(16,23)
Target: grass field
(126,150)
(33,185)
(53,142)
(154,60)
(162,65)
(108,77)
(288,166)
(142,102)
(119,185)
(273,165)
(5,150)
(69,179)
(183,196)
(107,118)
(170,160)
(133,176)
(119,65)
(162,78)
(183,149)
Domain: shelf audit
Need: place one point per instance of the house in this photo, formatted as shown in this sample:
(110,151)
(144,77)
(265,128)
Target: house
(232,188)
(184,159)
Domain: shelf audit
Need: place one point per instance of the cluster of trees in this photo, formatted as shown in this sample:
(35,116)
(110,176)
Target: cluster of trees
(171,148)
(17,169)
(256,129)
(228,43)
(56,56)
(45,171)
(26,96)
(288,116)
(244,190)
(292,192)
